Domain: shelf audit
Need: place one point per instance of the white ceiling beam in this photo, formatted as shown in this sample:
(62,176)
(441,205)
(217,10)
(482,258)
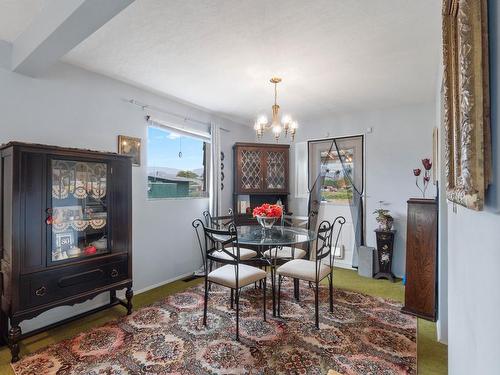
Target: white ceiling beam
(60,26)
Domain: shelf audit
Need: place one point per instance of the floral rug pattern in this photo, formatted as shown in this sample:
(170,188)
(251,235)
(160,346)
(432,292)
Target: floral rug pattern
(364,335)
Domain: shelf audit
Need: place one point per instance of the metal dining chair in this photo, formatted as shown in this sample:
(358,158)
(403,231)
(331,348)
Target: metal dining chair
(282,254)
(315,270)
(222,223)
(233,274)
(290,252)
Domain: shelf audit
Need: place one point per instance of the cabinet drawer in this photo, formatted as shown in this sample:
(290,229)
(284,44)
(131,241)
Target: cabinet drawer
(52,285)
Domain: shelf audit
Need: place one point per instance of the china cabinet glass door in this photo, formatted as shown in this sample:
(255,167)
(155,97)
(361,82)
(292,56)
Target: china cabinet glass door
(275,170)
(78,209)
(251,170)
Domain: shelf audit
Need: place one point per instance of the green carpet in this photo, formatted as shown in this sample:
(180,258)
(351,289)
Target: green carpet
(432,356)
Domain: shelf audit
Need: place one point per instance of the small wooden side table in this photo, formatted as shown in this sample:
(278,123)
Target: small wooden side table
(385,249)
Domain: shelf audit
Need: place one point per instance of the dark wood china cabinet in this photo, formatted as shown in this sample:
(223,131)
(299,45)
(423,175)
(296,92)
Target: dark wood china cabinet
(261,176)
(65,231)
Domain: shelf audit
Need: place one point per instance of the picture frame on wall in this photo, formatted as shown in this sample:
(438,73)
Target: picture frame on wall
(130,146)
(466,102)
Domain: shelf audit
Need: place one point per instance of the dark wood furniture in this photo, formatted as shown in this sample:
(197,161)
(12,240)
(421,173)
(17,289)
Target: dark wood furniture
(385,250)
(261,176)
(65,232)
(421,259)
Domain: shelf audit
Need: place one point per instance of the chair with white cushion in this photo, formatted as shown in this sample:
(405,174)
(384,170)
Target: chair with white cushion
(221,246)
(315,270)
(282,254)
(223,222)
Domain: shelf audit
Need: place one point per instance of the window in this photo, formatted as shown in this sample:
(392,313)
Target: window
(177,164)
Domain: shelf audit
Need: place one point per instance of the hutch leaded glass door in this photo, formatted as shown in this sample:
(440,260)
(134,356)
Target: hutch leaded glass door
(276,163)
(78,208)
(250,171)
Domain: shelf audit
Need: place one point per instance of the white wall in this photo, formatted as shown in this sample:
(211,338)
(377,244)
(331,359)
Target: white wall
(72,107)
(474,258)
(401,137)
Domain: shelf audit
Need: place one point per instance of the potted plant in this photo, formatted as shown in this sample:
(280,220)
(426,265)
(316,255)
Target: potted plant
(384,219)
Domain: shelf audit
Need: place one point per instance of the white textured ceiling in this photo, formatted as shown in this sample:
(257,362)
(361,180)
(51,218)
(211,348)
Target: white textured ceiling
(16,15)
(333,55)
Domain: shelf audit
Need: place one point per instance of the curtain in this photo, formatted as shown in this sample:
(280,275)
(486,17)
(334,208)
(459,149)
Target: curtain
(338,159)
(350,154)
(214,171)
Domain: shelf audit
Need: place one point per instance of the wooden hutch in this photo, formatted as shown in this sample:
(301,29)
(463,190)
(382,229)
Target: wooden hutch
(65,231)
(261,175)
(422,259)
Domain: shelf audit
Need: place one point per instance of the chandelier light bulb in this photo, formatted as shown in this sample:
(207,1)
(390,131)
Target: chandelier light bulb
(262,120)
(286,120)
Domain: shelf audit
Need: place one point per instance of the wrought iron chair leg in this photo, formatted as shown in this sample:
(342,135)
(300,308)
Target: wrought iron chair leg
(210,270)
(280,279)
(316,304)
(296,289)
(232,298)
(237,296)
(264,287)
(205,305)
(331,292)
(273,287)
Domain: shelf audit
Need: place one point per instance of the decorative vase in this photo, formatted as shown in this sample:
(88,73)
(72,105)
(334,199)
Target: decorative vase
(387,225)
(266,222)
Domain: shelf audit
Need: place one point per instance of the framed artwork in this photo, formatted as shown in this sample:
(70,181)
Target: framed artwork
(130,146)
(435,155)
(465,101)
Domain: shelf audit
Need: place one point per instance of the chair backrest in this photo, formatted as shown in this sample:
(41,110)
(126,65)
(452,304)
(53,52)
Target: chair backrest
(295,221)
(327,237)
(213,240)
(218,222)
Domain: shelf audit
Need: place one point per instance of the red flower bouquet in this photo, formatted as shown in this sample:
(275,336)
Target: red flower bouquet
(267,214)
(268,210)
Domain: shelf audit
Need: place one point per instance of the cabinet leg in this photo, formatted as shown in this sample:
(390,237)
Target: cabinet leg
(129,294)
(14,336)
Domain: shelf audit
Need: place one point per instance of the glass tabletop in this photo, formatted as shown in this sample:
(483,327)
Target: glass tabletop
(276,236)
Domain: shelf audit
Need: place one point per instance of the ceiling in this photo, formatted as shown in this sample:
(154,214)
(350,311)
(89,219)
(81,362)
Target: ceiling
(16,15)
(333,55)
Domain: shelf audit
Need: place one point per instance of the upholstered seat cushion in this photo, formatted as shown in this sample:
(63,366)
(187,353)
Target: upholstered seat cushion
(285,252)
(226,275)
(303,269)
(245,254)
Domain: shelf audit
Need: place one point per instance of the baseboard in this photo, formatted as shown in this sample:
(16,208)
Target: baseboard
(176,278)
(343,265)
(121,294)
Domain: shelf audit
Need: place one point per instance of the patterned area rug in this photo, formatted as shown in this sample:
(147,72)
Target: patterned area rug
(364,335)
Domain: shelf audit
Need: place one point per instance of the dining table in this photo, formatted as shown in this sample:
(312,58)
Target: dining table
(263,239)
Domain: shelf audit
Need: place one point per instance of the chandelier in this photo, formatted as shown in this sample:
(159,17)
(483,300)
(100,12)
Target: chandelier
(276,126)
